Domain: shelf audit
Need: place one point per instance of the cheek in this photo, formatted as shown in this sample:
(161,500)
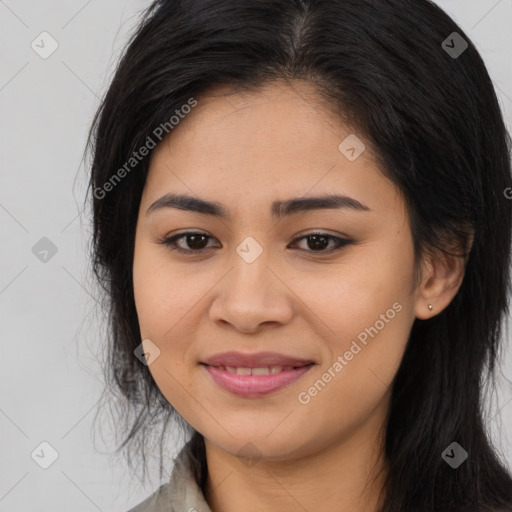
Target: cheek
(163,298)
(368,308)
(352,295)
(163,295)
(356,375)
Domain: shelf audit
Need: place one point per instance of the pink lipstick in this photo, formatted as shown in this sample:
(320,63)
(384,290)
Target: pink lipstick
(255,375)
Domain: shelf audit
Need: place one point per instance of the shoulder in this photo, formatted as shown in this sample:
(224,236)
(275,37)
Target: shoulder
(159,501)
(181,494)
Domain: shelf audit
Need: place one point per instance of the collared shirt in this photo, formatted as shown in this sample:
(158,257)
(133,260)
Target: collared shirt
(180,494)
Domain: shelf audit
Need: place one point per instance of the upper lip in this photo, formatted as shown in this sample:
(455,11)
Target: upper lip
(256,360)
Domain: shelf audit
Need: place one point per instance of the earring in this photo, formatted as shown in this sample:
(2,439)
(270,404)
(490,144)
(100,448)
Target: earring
(430,307)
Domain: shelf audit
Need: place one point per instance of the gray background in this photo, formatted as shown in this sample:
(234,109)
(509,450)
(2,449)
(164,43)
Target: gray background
(51,325)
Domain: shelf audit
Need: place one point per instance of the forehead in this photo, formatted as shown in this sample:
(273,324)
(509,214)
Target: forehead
(275,142)
(274,119)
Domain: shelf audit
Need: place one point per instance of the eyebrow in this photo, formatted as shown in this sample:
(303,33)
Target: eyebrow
(279,209)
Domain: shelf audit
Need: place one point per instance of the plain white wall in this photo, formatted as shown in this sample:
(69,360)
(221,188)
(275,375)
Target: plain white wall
(51,379)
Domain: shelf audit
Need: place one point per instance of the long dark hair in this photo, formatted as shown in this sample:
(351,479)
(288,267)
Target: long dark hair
(427,107)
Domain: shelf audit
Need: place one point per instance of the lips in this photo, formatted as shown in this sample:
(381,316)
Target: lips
(255,375)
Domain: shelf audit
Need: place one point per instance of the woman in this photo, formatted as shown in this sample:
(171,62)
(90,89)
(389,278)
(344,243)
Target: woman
(300,221)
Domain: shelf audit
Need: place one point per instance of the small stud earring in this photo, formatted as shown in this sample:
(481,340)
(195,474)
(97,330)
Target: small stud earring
(430,307)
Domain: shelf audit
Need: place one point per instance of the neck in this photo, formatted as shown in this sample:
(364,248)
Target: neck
(345,475)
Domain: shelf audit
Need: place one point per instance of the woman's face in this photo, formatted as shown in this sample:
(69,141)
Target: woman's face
(336,317)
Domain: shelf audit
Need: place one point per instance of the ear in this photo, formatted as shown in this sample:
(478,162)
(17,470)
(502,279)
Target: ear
(441,278)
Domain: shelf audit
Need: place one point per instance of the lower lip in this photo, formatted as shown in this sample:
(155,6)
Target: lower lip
(253,386)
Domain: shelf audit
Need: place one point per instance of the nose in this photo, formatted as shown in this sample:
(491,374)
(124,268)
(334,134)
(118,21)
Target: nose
(252,297)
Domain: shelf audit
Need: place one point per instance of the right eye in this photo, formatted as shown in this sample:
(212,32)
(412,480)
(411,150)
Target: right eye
(195,241)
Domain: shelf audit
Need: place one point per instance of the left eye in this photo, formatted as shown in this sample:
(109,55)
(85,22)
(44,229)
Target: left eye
(318,242)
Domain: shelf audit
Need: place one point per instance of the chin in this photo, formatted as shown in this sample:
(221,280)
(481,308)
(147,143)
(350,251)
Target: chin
(257,444)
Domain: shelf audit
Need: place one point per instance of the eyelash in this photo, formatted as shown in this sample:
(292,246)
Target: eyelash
(171,242)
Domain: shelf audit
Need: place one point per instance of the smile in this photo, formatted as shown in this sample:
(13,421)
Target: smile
(255,382)
(265,370)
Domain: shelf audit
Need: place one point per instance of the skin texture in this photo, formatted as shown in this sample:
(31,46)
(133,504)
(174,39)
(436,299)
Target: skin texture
(245,151)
